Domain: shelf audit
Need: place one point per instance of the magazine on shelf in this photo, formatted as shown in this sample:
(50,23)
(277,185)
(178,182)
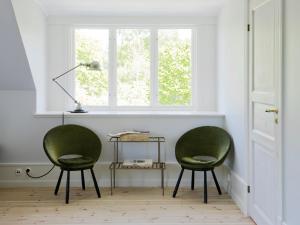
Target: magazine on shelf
(143,163)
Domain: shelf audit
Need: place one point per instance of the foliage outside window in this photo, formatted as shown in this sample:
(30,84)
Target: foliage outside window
(174,70)
(133,67)
(133,59)
(92,86)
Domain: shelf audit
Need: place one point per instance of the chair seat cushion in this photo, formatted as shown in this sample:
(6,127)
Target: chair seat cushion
(75,161)
(199,159)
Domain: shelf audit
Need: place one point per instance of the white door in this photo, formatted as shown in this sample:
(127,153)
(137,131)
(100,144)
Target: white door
(265,109)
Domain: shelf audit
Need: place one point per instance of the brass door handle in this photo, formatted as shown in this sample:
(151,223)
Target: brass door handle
(272,110)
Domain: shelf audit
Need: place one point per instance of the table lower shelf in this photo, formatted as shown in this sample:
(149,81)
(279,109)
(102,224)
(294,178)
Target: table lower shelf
(160,166)
(155,165)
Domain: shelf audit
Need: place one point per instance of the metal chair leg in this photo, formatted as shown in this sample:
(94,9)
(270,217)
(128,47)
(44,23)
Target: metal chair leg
(58,182)
(95,183)
(68,187)
(193,180)
(216,182)
(111,181)
(82,180)
(205,187)
(178,182)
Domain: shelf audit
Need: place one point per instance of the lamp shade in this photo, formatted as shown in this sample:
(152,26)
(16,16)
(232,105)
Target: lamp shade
(94,65)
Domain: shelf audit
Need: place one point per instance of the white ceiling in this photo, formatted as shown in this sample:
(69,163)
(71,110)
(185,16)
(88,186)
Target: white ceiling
(131,7)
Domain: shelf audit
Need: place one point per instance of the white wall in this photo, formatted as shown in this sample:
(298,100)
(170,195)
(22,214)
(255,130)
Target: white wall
(15,73)
(21,134)
(291,105)
(60,51)
(32,26)
(232,90)
(232,78)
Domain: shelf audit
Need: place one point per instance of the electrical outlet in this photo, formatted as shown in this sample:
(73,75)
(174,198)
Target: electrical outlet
(18,172)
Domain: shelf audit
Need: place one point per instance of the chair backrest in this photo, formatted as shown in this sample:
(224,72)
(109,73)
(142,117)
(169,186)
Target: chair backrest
(71,139)
(206,141)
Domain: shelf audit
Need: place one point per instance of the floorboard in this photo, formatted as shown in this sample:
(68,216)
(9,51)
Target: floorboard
(126,205)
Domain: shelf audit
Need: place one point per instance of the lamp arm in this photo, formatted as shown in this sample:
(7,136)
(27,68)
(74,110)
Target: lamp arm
(65,91)
(55,80)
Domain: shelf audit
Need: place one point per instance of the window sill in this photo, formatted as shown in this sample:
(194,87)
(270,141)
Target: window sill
(50,114)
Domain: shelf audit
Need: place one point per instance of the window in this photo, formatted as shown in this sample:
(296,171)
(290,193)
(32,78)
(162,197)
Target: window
(140,68)
(174,67)
(92,86)
(133,67)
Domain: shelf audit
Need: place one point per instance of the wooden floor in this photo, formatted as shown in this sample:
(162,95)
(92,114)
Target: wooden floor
(126,206)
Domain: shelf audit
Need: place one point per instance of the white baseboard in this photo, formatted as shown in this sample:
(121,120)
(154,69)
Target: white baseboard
(125,178)
(237,189)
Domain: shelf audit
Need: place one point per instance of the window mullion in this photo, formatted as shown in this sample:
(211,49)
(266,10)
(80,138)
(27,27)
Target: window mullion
(112,68)
(154,68)
(194,80)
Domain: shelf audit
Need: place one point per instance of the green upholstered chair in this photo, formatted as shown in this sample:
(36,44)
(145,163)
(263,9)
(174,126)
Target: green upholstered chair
(202,149)
(73,148)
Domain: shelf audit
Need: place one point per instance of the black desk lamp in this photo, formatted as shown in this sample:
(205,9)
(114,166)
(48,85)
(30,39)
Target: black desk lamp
(90,66)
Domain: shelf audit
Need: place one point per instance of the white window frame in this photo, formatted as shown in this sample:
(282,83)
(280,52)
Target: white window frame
(112,70)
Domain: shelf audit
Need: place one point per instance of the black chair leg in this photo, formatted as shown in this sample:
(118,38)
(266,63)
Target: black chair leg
(58,182)
(68,187)
(193,180)
(178,182)
(82,180)
(205,187)
(95,183)
(216,182)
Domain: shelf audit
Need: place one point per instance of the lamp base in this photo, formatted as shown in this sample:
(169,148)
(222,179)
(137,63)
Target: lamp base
(78,111)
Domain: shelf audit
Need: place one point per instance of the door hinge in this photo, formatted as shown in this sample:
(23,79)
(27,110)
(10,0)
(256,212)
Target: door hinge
(248,27)
(248,189)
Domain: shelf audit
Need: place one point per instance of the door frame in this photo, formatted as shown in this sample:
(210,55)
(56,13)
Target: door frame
(279,87)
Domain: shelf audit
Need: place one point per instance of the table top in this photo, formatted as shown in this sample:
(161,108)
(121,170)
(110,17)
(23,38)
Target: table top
(151,139)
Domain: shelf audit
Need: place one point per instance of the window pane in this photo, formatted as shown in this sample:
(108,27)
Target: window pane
(92,86)
(174,67)
(133,67)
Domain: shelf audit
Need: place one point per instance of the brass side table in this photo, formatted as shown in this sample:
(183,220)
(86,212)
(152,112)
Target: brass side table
(116,164)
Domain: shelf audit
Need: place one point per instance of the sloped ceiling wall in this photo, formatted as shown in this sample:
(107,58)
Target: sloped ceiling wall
(15,72)
(32,25)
